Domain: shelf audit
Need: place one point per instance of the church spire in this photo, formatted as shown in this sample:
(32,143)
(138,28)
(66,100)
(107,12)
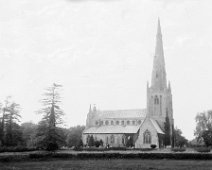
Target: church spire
(159,71)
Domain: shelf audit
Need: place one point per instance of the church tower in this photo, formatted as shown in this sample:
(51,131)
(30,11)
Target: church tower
(159,96)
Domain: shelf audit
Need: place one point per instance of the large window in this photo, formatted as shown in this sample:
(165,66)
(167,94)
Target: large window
(147,137)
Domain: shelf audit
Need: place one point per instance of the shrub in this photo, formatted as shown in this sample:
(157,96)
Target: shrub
(97,143)
(118,148)
(153,146)
(202,149)
(143,149)
(52,147)
(178,149)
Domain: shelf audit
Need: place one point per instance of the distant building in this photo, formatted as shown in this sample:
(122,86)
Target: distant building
(142,126)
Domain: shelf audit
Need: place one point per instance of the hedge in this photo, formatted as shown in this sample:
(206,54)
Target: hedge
(16,149)
(202,149)
(178,149)
(108,155)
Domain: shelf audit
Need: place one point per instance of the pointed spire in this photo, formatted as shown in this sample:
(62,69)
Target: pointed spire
(90,110)
(169,86)
(94,107)
(159,71)
(159,28)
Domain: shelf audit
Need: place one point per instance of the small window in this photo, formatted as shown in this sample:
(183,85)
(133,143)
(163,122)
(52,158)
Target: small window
(133,122)
(106,122)
(139,122)
(122,122)
(97,123)
(101,123)
(117,122)
(111,123)
(128,122)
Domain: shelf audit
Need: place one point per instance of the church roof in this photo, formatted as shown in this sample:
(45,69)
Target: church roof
(122,114)
(112,129)
(156,126)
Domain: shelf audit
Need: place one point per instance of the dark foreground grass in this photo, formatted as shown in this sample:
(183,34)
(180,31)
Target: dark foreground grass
(112,164)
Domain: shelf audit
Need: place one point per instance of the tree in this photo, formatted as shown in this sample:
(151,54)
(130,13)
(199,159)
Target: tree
(91,141)
(11,130)
(48,133)
(167,136)
(204,127)
(75,135)
(29,134)
(180,140)
(207,137)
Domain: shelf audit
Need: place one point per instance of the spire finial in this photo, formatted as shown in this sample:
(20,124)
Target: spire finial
(90,110)
(159,28)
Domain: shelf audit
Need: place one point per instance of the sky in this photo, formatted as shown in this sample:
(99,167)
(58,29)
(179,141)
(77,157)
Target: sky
(102,51)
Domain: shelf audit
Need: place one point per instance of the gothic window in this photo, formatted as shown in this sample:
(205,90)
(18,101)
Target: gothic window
(107,140)
(106,122)
(117,122)
(112,139)
(147,137)
(122,122)
(88,138)
(128,122)
(123,139)
(156,100)
(111,122)
(139,122)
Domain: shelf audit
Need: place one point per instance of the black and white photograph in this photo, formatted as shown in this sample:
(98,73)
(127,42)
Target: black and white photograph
(105,84)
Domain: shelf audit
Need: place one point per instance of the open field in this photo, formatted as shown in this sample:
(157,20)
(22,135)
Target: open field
(112,164)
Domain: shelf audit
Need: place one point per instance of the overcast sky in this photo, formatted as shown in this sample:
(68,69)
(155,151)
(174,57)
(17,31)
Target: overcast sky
(102,51)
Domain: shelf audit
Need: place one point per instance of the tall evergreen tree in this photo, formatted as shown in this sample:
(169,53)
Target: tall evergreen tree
(48,132)
(167,137)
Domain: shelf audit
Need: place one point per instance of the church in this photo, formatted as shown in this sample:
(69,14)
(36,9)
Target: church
(142,127)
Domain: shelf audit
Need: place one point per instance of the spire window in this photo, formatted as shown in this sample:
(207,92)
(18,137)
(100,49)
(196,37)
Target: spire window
(156,100)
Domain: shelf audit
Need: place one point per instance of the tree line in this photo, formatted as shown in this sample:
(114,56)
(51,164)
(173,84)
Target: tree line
(47,134)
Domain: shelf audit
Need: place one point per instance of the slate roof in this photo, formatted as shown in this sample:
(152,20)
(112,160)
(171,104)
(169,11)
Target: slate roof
(122,114)
(112,129)
(156,126)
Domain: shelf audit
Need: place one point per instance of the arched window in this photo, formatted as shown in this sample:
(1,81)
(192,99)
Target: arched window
(147,137)
(156,100)
(106,122)
(107,140)
(117,122)
(139,122)
(122,122)
(112,139)
(123,140)
(128,122)
(111,122)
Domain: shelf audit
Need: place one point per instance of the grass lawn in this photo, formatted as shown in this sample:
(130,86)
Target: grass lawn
(114,164)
